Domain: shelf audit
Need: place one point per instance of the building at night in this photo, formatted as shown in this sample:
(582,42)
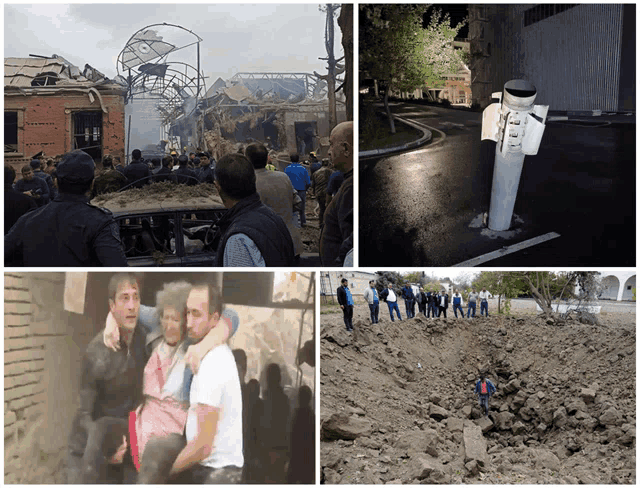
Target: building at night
(51,108)
(456,86)
(580,57)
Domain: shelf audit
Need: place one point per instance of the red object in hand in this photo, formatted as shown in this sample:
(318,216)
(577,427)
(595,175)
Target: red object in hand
(134,440)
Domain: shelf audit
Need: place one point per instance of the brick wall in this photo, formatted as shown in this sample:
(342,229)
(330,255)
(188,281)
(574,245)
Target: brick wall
(42,353)
(45,123)
(24,391)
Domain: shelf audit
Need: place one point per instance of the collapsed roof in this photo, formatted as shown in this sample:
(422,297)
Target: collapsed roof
(53,71)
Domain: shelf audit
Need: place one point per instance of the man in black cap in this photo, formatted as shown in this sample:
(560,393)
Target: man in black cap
(16,204)
(137,170)
(251,234)
(36,165)
(32,186)
(186,175)
(69,231)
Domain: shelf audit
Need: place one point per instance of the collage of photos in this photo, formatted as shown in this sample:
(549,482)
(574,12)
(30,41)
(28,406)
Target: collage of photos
(437,203)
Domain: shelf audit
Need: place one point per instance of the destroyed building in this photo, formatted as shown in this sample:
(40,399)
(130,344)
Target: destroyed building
(289,112)
(51,107)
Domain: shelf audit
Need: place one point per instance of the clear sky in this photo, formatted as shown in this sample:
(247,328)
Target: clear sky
(247,37)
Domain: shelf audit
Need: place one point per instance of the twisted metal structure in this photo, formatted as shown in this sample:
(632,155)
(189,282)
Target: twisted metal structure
(145,67)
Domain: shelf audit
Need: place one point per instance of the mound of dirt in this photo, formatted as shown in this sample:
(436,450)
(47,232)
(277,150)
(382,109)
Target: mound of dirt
(161,192)
(397,402)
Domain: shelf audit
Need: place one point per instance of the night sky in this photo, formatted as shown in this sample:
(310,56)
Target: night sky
(457,12)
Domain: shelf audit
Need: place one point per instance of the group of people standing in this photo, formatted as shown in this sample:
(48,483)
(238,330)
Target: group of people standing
(430,304)
(258,228)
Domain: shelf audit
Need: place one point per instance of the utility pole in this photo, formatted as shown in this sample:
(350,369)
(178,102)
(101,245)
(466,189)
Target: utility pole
(332,68)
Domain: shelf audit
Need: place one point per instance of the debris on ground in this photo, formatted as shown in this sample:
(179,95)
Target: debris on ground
(397,402)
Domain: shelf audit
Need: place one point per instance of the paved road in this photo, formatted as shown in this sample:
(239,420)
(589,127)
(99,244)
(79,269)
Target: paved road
(416,207)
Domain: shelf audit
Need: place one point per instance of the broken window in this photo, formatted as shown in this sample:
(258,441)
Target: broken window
(11,132)
(88,133)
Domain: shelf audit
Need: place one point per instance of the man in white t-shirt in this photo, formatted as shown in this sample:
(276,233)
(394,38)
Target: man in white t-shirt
(484,296)
(213,454)
(391,298)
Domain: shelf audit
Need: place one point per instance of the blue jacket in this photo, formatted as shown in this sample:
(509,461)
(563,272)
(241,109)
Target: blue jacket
(490,388)
(407,293)
(299,176)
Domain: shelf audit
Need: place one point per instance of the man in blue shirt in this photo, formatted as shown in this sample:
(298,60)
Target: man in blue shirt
(484,389)
(409,300)
(346,303)
(300,180)
(371,296)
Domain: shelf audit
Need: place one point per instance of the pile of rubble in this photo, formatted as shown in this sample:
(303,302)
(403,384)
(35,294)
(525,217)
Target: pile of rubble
(397,402)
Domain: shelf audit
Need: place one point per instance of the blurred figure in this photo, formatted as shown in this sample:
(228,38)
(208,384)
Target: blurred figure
(302,463)
(273,428)
(252,447)
(16,204)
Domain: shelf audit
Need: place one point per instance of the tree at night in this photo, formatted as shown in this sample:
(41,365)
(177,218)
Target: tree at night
(403,54)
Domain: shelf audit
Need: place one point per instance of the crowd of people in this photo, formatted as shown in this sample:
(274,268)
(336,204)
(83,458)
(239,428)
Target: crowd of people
(163,399)
(50,222)
(430,304)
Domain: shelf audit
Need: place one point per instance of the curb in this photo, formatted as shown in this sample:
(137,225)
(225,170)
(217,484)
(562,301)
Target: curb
(426,137)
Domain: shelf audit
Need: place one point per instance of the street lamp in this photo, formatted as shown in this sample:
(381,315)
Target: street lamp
(516,125)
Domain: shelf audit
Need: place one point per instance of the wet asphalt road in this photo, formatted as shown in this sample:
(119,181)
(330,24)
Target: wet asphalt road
(415,207)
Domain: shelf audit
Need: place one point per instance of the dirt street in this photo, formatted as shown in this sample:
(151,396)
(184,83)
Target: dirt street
(397,402)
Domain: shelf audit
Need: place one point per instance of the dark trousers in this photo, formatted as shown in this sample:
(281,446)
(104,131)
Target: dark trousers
(199,474)
(374,309)
(347,311)
(455,310)
(303,196)
(87,461)
(158,458)
(471,306)
(422,308)
(408,304)
(394,306)
(432,310)
(442,310)
(484,306)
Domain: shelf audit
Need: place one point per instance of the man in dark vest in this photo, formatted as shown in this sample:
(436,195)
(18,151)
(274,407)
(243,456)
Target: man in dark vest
(251,234)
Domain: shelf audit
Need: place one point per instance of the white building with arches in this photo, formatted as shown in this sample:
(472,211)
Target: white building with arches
(618,285)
